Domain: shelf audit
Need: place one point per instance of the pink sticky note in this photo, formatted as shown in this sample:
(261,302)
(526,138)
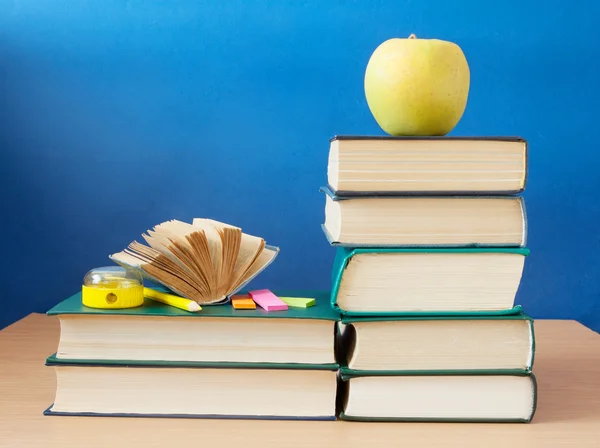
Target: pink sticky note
(267,300)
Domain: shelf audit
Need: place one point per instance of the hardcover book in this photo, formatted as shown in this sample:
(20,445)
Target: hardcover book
(427,165)
(436,344)
(191,391)
(424,221)
(425,281)
(160,333)
(438,398)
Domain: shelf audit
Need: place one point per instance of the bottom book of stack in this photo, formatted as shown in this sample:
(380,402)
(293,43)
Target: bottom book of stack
(187,390)
(475,368)
(159,361)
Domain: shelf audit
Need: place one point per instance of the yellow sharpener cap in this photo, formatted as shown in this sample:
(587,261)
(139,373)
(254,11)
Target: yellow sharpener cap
(113,288)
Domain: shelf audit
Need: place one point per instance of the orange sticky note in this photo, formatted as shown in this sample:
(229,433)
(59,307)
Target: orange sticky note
(243,303)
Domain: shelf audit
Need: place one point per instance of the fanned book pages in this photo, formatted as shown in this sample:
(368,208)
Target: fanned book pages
(427,165)
(206,261)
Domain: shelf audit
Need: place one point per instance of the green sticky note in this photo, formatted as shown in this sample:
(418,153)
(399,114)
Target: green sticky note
(298,302)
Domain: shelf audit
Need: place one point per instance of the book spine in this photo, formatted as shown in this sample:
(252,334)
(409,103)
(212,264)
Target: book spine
(339,265)
(345,254)
(345,380)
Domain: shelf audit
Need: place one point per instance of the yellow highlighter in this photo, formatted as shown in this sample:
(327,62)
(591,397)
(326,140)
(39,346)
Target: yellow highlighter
(169,299)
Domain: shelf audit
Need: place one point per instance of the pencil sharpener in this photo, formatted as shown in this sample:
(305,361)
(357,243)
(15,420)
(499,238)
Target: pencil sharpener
(112,287)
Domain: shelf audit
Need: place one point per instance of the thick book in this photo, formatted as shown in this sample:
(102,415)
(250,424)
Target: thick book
(192,391)
(427,165)
(460,397)
(424,221)
(160,333)
(423,281)
(207,261)
(411,345)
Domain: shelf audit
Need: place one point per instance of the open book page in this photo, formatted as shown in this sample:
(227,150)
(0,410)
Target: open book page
(199,249)
(158,261)
(218,248)
(231,238)
(163,244)
(250,247)
(159,268)
(205,261)
(264,259)
(231,248)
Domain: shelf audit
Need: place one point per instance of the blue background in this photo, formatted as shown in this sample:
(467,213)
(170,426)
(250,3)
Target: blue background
(117,115)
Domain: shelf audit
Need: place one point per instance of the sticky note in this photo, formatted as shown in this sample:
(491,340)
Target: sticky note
(267,300)
(298,302)
(243,303)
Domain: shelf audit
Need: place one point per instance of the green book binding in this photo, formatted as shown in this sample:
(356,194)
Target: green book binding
(347,375)
(345,254)
(345,380)
(349,319)
(52,360)
(320,311)
(344,355)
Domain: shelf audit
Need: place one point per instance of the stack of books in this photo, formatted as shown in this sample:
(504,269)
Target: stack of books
(221,362)
(421,322)
(431,243)
(157,360)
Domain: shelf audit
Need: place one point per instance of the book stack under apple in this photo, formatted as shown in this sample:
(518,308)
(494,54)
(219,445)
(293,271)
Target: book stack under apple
(430,235)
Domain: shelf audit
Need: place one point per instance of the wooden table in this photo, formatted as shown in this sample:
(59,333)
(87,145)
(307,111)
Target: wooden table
(567,367)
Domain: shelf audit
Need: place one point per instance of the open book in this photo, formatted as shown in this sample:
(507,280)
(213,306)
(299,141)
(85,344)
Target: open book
(206,261)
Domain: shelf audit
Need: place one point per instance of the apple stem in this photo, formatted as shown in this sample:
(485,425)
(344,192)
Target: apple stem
(412,36)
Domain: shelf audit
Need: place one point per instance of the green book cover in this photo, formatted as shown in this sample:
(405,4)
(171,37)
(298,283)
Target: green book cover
(344,380)
(346,375)
(52,360)
(321,310)
(349,320)
(345,254)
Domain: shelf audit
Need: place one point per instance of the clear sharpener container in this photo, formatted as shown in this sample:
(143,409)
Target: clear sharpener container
(112,287)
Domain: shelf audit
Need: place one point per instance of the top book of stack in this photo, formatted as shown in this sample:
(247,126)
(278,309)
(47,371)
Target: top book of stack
(396,166)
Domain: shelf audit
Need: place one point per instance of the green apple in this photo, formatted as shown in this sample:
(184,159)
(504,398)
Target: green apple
(417,86)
